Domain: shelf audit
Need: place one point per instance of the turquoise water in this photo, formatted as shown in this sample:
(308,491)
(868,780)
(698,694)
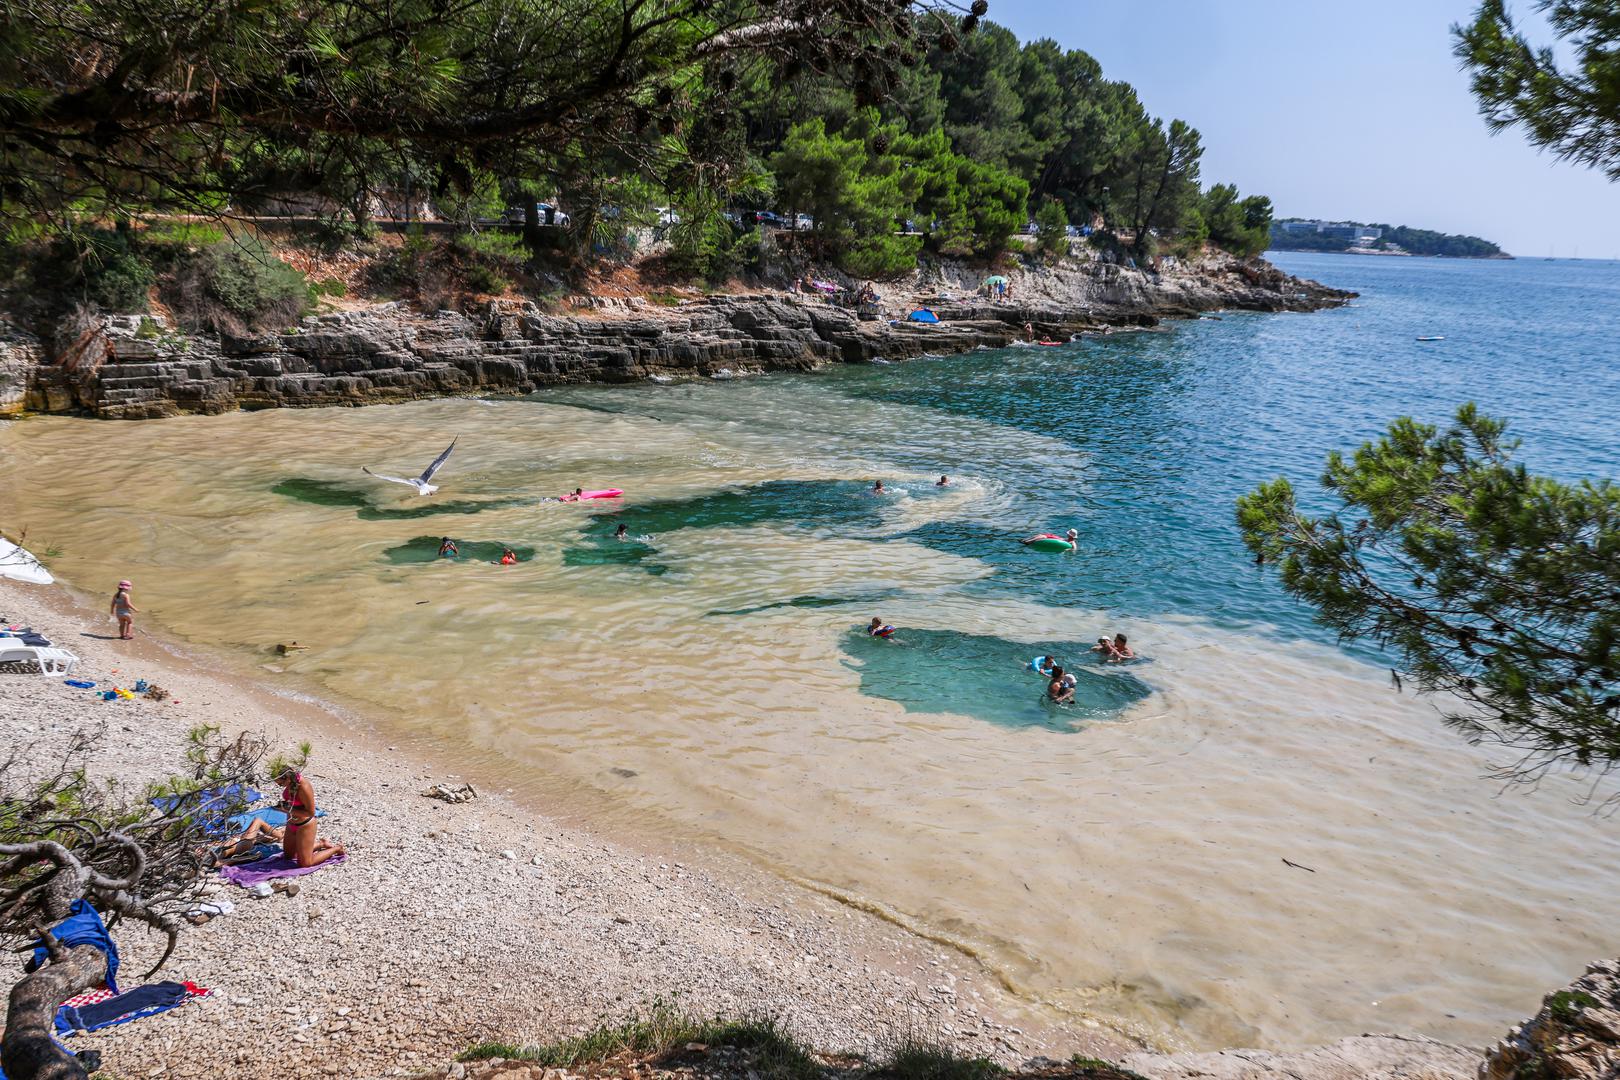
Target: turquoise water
(1162,431)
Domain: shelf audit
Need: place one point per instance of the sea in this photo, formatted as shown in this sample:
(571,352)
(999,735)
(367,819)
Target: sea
(1246,837)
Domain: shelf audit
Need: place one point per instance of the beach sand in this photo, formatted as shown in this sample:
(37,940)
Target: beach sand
(450,924)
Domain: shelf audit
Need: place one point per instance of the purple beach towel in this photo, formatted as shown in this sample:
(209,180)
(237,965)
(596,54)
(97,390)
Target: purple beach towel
(277,866)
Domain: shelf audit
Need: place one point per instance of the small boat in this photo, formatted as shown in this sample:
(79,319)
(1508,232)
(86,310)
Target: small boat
(20,564)
(1433,337)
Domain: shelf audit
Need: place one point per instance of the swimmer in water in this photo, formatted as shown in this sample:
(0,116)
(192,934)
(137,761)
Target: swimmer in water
(1060,690)
(1105,649)
(508,556)
(877,488)
(1122,650)
(944,481)
(621,533)
(1045,665)
(578,494)
(448,549)
(879,629)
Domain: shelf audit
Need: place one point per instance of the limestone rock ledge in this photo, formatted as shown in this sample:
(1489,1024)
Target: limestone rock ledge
(137,367)
(1575,1036)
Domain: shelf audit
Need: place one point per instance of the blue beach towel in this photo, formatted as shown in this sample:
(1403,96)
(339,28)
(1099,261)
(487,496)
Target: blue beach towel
(84,927)
(140,1002)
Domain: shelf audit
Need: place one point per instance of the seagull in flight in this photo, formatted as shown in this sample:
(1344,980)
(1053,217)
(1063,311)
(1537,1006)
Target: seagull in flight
(421,483)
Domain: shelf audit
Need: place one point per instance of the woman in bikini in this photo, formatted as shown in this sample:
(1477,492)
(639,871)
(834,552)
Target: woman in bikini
(298,841)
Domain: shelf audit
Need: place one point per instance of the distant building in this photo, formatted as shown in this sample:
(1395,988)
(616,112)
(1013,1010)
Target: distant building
(1348,231)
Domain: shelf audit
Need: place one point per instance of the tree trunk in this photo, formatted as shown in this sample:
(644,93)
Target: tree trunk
(27,1051)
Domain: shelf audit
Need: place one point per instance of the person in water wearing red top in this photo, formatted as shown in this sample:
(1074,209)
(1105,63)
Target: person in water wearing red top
(508,557)
(298,840)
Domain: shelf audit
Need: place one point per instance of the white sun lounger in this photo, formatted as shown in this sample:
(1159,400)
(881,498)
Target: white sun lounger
(51,661)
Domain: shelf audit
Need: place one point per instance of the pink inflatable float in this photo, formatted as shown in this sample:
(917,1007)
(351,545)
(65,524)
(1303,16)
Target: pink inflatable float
(604,493)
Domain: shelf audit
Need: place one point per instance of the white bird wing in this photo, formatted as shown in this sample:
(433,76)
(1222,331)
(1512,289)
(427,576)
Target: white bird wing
(380,476)
(439,461)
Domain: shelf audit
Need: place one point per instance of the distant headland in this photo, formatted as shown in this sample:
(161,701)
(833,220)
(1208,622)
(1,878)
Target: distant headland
(1355,238)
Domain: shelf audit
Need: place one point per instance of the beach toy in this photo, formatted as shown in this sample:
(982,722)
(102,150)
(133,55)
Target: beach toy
(82,684)
(140,686)
(1050,543)
(109,695)
(603,493)
(1036,664)
(1049,343)
(882,631)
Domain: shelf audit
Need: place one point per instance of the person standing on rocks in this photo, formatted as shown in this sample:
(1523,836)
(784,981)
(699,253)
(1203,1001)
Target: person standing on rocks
(124,611)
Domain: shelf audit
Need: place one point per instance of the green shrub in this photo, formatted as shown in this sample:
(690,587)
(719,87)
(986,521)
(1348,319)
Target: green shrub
(232,286)
(916,1059)
(98,266)
(328,287)
(1566,1005)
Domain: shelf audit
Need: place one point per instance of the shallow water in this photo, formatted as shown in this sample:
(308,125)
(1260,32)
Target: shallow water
(1122,857)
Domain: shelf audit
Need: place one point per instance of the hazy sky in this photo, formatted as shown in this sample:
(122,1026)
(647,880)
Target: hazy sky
(1338,110)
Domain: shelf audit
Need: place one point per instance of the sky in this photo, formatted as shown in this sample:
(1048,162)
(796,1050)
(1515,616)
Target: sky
(1350,111)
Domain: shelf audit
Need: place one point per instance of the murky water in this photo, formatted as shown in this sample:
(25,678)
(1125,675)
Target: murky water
(708,676)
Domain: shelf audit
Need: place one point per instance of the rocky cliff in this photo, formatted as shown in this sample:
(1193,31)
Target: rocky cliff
(137,367)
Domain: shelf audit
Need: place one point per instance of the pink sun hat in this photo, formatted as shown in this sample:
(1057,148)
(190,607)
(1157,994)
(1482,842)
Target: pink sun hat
(125,584)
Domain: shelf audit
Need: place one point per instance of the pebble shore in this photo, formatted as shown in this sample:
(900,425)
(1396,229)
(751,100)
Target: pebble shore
(451,924)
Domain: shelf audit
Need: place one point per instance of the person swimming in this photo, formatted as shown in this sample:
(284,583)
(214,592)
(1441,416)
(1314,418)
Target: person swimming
(508,556)
(1107,653)
(1122,649)
(877,488)
(944,481)
(448,549)
(1043,665)
(621,533)
(878,628)
(1060,690)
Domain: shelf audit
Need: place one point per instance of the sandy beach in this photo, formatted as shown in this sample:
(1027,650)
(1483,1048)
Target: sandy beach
(454,923)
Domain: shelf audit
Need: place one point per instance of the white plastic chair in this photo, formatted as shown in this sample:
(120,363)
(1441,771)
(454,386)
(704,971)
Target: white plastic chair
(50,661)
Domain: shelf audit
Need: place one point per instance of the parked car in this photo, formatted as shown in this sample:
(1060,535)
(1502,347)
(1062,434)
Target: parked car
(767,217)
(1032,229)
(1073,231)
(734,217)
(549,215)
(803,221)
(667,216)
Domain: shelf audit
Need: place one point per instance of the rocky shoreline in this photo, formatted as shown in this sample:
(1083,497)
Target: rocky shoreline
(137,367)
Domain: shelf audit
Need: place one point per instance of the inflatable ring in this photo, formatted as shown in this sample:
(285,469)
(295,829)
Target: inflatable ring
(1050,543)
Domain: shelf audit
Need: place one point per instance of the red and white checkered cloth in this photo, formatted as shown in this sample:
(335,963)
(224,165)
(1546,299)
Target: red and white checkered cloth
(89,997)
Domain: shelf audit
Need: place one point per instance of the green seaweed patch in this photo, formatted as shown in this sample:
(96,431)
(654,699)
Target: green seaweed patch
(986,677)
(804,503)
(805,602)
(335,493)
(611,552)
(425,549)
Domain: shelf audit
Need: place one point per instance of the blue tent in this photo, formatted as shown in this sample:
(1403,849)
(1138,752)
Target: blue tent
(923,315)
